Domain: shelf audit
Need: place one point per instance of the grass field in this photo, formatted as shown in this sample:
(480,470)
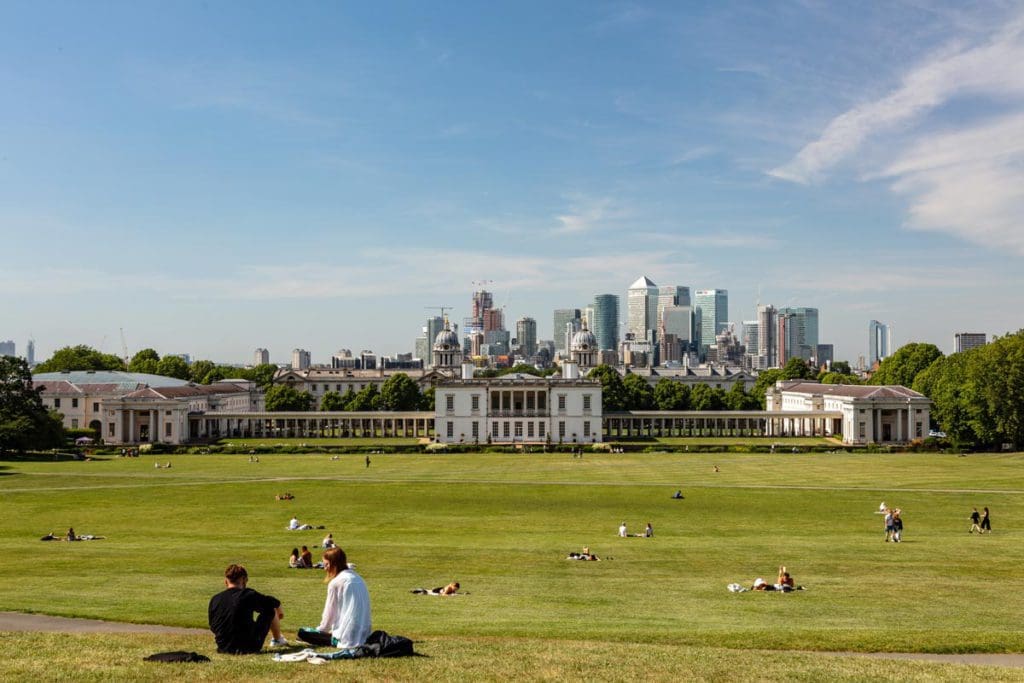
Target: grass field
(502,525)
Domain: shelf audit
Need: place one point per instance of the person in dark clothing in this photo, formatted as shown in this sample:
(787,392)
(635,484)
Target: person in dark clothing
(975,522)
(231,615)
(986,525)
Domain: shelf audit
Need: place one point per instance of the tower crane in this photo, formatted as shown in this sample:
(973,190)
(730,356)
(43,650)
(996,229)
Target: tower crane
(442,309)
(124,349)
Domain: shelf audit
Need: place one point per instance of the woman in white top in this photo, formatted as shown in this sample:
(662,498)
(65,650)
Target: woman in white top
(346,618)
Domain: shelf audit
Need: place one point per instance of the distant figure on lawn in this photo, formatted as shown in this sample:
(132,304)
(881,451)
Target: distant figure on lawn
(295,560)
(678,495)
(649,531)
(367,462)
(231,615)
(328,542)
(975,522)
(71,533)
(622,530)
(897,525)
(307,558)
(986,524)
(294,525)
(346,619)
(888,525)
(451,589)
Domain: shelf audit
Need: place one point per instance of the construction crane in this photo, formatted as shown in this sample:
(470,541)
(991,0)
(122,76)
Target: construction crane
(124,349)
(442,309)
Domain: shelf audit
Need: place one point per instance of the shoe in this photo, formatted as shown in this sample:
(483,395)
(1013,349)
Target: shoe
(278,642)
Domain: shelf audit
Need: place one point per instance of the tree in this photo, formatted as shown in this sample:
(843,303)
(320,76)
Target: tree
(24,421)
(427,400)
(766,379)
(995,396)
(670,395)
(173,366)
(333,401)
(903,366)
(284,397)
(704,397)
(215,374)
(842,367)
(797,368)
(263,374)
(399,392)
(368,398)
(738,399)
(613,393)
(146,361)
(945,383)
(838,378)
(198,371)
(79,357)
(639,393)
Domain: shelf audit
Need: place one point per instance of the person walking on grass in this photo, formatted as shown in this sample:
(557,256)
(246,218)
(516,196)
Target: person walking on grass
(888,525)
(986,524)
(346,619)
(231,615)
(897,526)
(975,522)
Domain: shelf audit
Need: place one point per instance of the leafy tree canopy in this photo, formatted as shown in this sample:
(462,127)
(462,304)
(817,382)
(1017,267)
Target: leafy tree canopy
(613,393)
(173,366)
(838,378)
(144,361)
(903,366)
(399,392)
(24,421)
(639,392)
(284,397)
(670,395)
(333,401)
(79,357)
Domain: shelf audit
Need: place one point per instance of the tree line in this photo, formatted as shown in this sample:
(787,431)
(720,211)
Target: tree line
(398,393)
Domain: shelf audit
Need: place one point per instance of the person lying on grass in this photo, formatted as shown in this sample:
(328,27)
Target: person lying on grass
(346,619)
(451,589)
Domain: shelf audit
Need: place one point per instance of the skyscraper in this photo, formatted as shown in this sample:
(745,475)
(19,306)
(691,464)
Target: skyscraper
(565,318)
(300,359)
(605,325)
(766,341)
(965,341)
(879,342)
(750,338)
(526,334)
(7,348)
(802,333)
(30,354)
(642,308)
(260,357)
(711,308)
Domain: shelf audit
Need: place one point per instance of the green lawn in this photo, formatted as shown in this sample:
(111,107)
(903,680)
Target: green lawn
(502,525)
(347,441)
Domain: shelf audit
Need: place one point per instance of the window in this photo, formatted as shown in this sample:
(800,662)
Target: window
(561,403)
(451,429)
(56,403)
(919,431)
(74,403)
(476,430)
(586,429)
(519,430)
(862,431)
(529,429)
(337,387)
(540,430)
(542,401)
(476,402)
(504,429)
(168,413)
(494,429)
(95,407)
(74,424)
(586,401)
(110,429)
(449,403)
(167,429)
(561,430)
(314,387)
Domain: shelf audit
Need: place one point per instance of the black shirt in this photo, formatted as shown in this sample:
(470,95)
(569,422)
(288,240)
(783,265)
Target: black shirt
(231,619)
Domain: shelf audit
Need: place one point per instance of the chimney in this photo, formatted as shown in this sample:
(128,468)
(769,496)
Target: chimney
(570,370)
(467,370)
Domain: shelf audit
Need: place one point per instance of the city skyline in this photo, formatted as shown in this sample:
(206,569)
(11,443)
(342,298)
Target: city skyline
(214,179)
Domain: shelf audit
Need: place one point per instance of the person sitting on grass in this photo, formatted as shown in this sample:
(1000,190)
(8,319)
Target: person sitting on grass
(328,542)
(307,558)
(294,525)
(71,534)
(678,495)
(231,615)
(346,619)
(295,560)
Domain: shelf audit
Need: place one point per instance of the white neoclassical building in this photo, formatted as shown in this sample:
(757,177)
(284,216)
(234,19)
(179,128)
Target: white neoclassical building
(518,409)
(869,414)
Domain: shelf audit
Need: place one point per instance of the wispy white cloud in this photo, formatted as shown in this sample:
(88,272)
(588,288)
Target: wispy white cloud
(586,214)
(991,69)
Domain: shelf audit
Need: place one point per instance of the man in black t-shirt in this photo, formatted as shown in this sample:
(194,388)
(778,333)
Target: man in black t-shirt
(231,615)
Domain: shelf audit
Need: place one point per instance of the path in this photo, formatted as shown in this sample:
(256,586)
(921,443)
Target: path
(17,621)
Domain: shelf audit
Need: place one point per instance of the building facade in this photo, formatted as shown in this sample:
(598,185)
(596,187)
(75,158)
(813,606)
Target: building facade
(526,336)
(567,321)
(301,359)
(642,308)
(965,341)
(879,342)
(260,357)
(711,313)
(605,324)
(519,409)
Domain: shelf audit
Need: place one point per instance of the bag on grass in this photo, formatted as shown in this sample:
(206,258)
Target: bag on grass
(382,644)
(176,656)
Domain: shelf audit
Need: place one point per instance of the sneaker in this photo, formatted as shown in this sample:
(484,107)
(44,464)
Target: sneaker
(279,642)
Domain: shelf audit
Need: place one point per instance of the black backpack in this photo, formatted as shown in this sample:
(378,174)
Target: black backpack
(381,644)
(177,656)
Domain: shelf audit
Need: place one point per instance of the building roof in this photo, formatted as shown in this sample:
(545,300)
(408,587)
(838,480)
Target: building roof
(58,388)
(642,283)
(189,391)
(890,391)
(115,377)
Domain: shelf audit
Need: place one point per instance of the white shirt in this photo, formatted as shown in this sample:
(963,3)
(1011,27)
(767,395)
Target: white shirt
(347,610)
(294,524)
(622,530)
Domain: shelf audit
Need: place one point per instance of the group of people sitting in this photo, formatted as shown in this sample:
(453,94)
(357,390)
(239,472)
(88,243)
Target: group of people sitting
(783,583)
(158,466)
(284,496)
(648,532)
(303,559)
(241,618)
(586,555)
(70,536)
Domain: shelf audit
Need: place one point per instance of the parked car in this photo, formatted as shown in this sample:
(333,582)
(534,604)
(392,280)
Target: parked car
(937,434)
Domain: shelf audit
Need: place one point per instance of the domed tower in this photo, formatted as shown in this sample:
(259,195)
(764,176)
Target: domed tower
(447,349)
(583,349)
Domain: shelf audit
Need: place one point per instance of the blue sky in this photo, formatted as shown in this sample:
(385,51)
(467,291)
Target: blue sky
(213,177)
